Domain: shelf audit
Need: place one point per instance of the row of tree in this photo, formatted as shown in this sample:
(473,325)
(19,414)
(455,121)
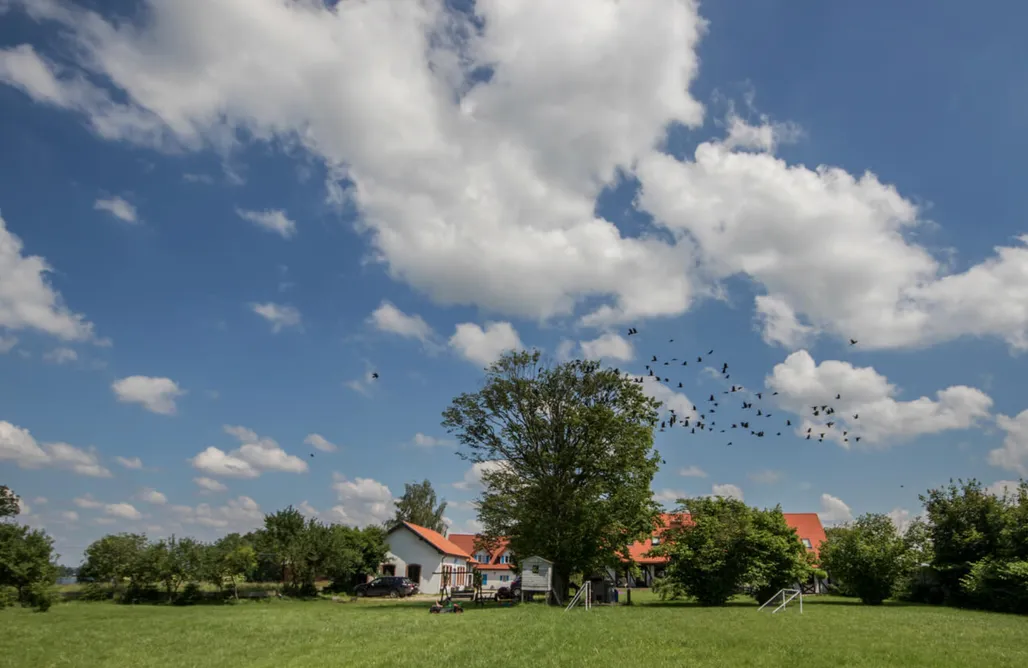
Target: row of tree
(289,548)
(970,548)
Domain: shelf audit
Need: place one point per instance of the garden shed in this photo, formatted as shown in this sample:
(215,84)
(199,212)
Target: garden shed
(538,576)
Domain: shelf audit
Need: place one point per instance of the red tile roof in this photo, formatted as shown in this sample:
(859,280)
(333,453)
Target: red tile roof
(437,540)
(807,525)
(467,542)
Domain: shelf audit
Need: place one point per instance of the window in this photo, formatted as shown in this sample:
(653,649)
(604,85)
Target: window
(504,578)
(485,578)
(535,569)
(505,559)
(482,557)
(655,540)
(806,544)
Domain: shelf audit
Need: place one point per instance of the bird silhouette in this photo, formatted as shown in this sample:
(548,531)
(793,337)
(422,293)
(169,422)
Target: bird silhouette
(838,396)
(374,374)
(853,342)
(632,330)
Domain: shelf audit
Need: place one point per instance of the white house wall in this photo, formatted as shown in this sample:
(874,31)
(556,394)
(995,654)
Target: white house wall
(407,548)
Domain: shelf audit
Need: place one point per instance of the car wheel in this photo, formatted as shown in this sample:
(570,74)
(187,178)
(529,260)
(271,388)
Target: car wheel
(394,594)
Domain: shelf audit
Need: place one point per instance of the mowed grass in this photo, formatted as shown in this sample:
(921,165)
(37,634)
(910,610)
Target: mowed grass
(293,634)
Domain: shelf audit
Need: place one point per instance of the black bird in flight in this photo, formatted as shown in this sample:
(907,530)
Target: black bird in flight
(710,352)
(632,330)
(788,423)
(654,359)
(374,374)
(760,395)
(853,342)
(856,415)
(838,396)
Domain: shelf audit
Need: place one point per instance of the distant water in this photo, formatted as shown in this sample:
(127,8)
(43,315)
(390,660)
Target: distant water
(67,581)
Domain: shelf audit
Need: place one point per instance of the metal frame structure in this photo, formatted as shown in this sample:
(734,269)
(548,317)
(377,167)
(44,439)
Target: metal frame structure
(793,593)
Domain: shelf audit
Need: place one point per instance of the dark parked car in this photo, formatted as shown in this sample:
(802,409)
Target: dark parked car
(395,587)
(513,591)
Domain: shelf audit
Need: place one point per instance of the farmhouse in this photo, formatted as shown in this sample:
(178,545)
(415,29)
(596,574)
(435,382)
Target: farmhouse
(496,566)
(807,526)
(426,556)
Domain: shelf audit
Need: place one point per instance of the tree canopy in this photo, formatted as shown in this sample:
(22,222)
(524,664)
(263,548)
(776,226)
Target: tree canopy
(567,458)
(727,546)
(869,556)
(418,506)
(9,506)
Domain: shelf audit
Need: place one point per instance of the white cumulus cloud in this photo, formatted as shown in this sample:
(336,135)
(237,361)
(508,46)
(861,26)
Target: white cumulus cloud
(388,318)
(320,442)
(253,457)
(209,484)
(129,462)
(362,501)
(1013,456)
(19,446)
(280,316)
(484,346)
(119,208)
(727,491)
(609,346)
(273,220)
(834,510)
(27,300)
(882,419)
(157,395)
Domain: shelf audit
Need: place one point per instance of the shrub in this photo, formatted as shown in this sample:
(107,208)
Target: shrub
(96,591)
(997,585)
(39,595)
(137,593)
(8,597)
(668,590)
(190,595)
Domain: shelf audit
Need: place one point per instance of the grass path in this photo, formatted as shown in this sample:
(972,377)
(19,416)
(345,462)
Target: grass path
(831,632)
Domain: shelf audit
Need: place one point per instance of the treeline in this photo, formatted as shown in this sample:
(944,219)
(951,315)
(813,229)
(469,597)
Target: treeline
(970,549)
(290,548)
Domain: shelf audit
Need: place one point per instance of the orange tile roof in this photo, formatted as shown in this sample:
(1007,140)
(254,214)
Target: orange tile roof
(807,525)
(437,540)
(467,542)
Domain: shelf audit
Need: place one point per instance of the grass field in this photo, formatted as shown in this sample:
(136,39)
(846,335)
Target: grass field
(294,634)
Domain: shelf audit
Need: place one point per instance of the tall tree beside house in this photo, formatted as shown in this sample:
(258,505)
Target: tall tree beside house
(418,506)
(870,558)
(967,524)
(9,506)
(566,455)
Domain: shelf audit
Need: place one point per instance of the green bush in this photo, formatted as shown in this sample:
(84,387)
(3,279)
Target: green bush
(39,595)
(998,585)
(8,597)
(668,590)
(136,593)
(96,591)
(190,595)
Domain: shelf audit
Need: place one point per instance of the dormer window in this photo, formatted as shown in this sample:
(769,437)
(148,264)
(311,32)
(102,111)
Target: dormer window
(655,540)
(806,544)
(505,559)
(482,557)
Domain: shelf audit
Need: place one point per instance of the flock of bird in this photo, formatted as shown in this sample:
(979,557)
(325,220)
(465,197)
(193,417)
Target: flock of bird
(705,419)
(746,420)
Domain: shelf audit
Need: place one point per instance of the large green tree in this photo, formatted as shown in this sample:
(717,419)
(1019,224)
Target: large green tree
(9,506)
(27,564)
(966,524)
(869,557)
(566,456)
(117,557)
(418,506)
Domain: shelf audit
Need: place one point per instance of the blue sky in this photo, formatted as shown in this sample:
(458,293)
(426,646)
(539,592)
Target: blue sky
(246,211)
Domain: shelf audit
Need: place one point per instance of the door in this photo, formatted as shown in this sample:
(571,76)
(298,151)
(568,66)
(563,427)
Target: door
(414,574)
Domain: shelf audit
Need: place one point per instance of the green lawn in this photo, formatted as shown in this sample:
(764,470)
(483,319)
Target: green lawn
(283,634)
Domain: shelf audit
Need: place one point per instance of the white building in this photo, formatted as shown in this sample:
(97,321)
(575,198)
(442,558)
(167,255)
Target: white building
(424,555)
